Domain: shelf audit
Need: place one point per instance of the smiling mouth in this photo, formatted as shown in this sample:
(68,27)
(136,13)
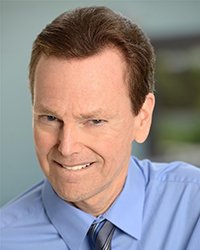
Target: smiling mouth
(76,167)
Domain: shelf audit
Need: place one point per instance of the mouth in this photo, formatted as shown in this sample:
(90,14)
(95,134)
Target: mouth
(75,167)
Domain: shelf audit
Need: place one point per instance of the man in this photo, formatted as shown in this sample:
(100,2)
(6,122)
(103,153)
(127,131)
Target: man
(92,81)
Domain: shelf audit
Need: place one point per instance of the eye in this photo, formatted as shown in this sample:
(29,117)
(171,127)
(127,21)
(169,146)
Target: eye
(51,118)
(96,122)
(47,118)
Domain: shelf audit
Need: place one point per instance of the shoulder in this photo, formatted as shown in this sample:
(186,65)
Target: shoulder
(23,208)
(171,186)
(172,195)
(177,171)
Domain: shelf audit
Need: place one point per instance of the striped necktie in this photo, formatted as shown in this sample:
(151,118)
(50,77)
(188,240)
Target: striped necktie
(101,235)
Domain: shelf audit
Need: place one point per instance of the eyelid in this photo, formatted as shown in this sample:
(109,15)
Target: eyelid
(97,122)
(46,116)
(54,118)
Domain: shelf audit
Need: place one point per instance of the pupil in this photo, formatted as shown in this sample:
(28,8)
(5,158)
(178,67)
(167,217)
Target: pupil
(51,118)
(97,121)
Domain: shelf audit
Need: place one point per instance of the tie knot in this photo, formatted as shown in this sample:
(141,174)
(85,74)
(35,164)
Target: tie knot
(101,235)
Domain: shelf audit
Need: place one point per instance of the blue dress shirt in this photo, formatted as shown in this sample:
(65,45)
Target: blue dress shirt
(158,209)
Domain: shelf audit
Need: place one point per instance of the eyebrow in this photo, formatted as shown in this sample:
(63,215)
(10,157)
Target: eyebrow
(92,114)
(45,109)
(88,115)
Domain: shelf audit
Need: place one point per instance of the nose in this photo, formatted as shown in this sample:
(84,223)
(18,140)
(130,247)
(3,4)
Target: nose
(70,140)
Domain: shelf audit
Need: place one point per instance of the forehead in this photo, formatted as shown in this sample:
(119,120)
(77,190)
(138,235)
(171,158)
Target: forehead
(109,60)
(98,79)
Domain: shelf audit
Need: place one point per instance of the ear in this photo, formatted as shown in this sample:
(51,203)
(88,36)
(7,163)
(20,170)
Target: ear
(144,119)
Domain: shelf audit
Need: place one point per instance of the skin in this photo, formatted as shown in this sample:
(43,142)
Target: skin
(82,115)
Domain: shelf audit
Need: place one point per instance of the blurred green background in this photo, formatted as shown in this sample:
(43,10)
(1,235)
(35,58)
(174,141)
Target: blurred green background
(174,29)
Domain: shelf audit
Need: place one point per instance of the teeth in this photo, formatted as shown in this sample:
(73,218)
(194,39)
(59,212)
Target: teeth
(77,167)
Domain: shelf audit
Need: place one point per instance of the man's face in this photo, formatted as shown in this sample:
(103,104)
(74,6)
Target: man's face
(84,125)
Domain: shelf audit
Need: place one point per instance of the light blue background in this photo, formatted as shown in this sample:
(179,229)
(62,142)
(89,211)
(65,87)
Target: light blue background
(21,21)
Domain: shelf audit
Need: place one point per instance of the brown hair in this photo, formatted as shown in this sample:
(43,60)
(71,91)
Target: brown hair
(84,32)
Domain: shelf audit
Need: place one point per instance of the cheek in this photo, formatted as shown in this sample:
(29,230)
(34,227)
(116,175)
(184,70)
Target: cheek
(114,148)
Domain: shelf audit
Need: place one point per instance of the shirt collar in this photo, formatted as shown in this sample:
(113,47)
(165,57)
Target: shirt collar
(73,224)
(127,211)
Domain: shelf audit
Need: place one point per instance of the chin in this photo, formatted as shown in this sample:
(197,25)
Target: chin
(70,193)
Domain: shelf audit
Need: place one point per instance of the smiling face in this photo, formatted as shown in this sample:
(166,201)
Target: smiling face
(84,127)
